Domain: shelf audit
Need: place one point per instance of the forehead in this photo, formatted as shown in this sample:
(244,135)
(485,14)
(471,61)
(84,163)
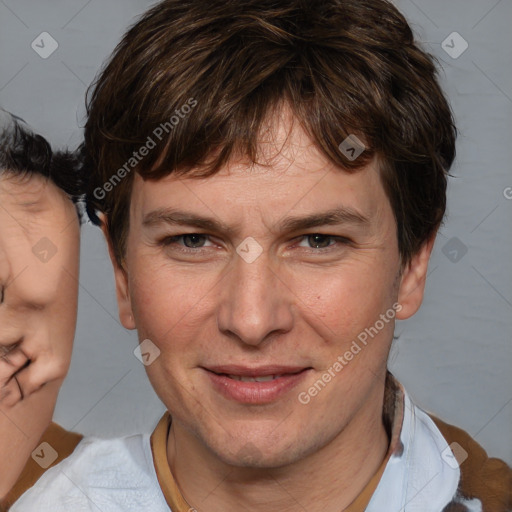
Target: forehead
(291,175)
(33,200)
(23,190)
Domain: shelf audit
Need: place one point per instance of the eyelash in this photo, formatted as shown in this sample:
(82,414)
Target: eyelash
(172,240)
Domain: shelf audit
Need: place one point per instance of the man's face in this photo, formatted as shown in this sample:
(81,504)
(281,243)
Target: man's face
(256,293)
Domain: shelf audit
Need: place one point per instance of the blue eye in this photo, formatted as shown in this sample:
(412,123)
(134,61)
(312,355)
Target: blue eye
(189,240)
(320,241)
(193,240)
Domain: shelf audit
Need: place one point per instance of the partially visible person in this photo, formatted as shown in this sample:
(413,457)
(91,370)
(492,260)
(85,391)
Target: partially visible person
(40,219)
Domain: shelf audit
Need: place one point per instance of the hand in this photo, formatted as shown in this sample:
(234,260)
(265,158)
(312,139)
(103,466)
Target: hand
(39,267)
(12,360)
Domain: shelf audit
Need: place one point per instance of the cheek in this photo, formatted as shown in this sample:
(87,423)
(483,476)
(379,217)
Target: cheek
(46,265)
(169,303)
(341,304)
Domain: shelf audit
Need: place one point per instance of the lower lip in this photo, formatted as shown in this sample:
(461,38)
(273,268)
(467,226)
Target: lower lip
(255,392)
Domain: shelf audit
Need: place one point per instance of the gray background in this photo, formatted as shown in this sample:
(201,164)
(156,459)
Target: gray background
(454,356)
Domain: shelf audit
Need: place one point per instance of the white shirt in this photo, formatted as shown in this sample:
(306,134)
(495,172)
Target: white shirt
(101,475)
(119,475)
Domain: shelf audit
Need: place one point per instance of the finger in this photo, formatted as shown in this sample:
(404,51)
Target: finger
(10,393)
(48,362)
(38,373)
(14,356)
(11,361)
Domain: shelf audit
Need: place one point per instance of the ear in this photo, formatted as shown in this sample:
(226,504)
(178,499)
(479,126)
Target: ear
(121,279)
(412,282)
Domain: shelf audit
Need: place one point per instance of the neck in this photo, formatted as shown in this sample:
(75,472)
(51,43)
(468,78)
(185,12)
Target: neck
(329,480)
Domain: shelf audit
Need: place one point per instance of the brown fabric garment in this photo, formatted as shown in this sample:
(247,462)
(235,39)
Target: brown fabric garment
(62,441)
(168,484)
(482,477)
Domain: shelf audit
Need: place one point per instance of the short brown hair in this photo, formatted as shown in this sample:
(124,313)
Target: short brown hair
(345,67)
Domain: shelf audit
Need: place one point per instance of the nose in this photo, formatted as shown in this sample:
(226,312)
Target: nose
(255,304)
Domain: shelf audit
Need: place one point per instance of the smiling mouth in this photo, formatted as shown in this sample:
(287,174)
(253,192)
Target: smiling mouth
(255,385)
(262,374)
(260,378)
(263,378)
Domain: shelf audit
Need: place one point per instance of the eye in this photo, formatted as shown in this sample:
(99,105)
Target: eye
(193,240)
(320,241)
(188,240)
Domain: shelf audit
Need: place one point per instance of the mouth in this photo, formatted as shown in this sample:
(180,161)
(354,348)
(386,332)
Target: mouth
(260,385)
(262,378)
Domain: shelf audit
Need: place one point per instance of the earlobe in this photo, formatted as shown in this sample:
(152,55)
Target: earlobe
(412,283)
(121,282)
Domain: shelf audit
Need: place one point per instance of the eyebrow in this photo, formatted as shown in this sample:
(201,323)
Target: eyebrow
(336,216)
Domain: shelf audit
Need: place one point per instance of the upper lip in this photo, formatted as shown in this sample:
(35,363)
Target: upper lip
(259,371)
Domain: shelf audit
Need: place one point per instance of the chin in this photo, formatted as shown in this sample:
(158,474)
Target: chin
(264,453)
